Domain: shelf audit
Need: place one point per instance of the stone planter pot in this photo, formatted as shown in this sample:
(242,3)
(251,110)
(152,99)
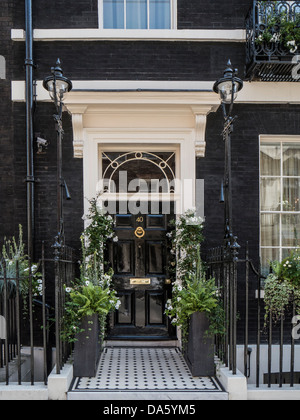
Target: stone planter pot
(199,350)
(87,348)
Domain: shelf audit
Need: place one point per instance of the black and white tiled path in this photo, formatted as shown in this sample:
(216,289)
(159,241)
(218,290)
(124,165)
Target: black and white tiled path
(144,369)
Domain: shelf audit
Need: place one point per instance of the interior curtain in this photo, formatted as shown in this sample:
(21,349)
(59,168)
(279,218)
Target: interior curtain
(280,192)
(160,14)
(113,14)
(136,14)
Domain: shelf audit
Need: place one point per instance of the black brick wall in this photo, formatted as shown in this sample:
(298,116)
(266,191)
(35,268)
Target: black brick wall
(8,183)
(254,120)
(110,60)
(132,61)
(217,14)
(191,14)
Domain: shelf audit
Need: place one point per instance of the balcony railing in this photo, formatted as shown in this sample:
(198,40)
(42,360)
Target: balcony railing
(273,41)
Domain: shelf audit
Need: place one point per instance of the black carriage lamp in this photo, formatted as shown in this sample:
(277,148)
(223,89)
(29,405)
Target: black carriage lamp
(58,86)
(228,88)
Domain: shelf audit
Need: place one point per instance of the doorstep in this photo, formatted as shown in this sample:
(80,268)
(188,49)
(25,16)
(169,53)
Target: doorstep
(144,373)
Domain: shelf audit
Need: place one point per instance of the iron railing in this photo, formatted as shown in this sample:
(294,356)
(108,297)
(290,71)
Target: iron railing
(20,324)
(270,60)
(241,285)
(65,271)
(26,320)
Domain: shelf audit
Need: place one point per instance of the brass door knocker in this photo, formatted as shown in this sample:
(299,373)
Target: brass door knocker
(139,232)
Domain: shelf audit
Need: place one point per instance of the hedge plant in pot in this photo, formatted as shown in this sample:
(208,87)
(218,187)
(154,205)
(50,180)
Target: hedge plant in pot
(195,306)
(91,298)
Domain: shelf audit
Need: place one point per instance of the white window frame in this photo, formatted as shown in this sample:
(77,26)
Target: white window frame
(280,140)
(173,18)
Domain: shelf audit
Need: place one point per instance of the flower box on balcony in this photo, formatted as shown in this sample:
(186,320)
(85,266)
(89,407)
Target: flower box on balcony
(273,40)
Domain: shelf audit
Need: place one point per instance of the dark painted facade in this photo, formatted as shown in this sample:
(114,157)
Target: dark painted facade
(129,60)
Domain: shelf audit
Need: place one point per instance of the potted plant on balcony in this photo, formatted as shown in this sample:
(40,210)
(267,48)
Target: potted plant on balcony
(282,287)
(279,30)
(195,306)
(91,298)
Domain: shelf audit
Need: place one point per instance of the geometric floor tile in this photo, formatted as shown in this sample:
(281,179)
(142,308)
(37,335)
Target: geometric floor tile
(144,369)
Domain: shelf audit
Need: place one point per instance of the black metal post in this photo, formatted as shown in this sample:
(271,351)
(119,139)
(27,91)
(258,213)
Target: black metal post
(57,85)
(59,180)
(227,87)
(30,180)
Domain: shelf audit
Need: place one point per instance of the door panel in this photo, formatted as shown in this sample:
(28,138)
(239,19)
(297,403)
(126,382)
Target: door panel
(124,257)
(155,257)
(140,263)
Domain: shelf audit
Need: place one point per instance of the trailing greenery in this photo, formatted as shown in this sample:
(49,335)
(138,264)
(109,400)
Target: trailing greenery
(281,29)
(185,238)
(99,230)
(282,287)
(92,293)
(192,291)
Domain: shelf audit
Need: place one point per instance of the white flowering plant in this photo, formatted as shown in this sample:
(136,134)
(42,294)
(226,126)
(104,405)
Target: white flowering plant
(15,263)
(283,30)
(282,287)
(185,241)
(92,293)
(192,291)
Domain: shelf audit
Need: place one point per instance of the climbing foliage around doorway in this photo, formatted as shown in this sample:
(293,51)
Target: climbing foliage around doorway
(92,293)
(193,291)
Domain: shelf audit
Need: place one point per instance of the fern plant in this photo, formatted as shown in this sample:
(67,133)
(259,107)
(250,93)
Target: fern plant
(196,293)
(92,293)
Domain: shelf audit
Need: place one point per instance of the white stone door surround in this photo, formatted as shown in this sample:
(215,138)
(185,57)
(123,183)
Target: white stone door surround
(141,121)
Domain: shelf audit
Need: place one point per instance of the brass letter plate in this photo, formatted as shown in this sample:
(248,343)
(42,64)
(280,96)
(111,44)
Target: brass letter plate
(140,281)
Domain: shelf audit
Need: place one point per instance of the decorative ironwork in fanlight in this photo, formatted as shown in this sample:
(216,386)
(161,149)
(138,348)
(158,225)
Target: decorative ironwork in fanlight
(142,172)
(273,41)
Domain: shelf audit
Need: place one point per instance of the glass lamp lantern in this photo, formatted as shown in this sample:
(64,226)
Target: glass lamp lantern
(228,86)
(57,85)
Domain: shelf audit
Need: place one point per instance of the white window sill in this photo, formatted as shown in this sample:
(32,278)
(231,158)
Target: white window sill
(201,35)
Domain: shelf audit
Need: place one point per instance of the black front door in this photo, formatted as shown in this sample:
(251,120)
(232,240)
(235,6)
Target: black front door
(140,261)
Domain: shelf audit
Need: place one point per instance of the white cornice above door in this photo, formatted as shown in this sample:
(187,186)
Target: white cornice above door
(141,111)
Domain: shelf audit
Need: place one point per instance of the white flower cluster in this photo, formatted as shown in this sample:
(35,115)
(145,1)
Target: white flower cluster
(287,264)
(292,46)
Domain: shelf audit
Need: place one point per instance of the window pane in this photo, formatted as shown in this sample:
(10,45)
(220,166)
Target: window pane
(290,229)
(270,196)
(139,171)
(160,14)
(270,157)
(270,229)
(291,194)
(291,159)
(136,14)
(267,256)
(113,14)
